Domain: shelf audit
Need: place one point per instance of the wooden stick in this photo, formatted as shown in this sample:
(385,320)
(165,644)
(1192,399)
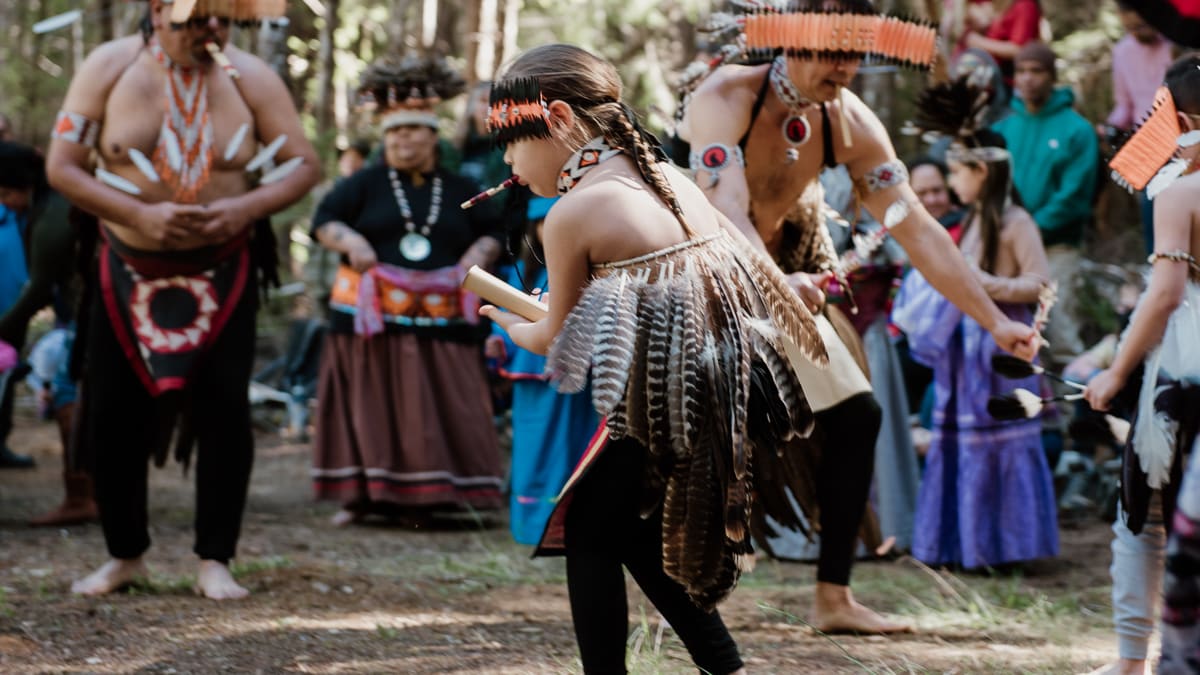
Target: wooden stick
(500,294)
(490,192)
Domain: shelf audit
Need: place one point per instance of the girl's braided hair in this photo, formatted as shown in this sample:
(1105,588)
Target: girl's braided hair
(591,86)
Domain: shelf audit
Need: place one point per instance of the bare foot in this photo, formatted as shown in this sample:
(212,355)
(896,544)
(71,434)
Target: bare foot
(835,611)
(1122,667)
(112,575)
(345,517)
(215,581)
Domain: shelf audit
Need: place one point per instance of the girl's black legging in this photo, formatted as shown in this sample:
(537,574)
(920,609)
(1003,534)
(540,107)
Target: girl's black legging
(605,532)
(848,432)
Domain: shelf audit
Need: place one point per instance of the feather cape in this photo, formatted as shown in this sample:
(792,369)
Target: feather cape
(688,349)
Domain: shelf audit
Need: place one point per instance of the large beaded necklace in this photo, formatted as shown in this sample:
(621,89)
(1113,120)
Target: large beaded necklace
(184,154)
(415,245)
(796,129)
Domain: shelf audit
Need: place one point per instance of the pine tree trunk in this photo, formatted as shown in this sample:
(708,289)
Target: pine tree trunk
(108,18)
(473,47)
(325,93)
(32,117)
(429,22)
(506,45)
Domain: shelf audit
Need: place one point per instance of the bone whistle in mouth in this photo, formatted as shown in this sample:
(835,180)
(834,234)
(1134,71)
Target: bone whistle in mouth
(222,60)
(490,192)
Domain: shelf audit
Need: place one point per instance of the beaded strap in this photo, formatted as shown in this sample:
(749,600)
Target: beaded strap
(659,253)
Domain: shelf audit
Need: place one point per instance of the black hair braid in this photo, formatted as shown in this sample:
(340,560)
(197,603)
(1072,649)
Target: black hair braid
(627,135)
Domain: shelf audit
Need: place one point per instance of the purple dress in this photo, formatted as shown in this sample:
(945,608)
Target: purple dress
(986,496)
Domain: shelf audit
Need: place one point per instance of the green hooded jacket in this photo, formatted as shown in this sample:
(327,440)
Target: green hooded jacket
(1056,160)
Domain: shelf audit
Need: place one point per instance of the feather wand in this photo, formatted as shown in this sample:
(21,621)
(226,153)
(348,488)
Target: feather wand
(1012,367)
(1022,404)
(1006,365)
(865,246)
(1046,299)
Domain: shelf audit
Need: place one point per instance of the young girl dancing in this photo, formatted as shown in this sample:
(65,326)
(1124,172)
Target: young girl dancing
(686,335)
(987,497)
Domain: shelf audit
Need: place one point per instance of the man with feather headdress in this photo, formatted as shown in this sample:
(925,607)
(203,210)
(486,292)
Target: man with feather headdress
(175,118)
(760,134)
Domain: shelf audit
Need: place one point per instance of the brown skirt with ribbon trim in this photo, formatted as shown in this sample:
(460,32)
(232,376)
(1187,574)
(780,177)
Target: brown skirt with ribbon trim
(407,421)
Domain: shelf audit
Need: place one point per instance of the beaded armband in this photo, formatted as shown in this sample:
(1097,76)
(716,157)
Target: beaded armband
(713,158)
(1174,256)
(76,128)
(889,174)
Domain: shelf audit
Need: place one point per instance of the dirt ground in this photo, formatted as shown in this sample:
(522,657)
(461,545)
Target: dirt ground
(385,599)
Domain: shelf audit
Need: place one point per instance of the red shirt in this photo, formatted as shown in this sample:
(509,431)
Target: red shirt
(1020,24)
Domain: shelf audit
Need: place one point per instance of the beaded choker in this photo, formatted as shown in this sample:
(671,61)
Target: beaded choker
(583,160)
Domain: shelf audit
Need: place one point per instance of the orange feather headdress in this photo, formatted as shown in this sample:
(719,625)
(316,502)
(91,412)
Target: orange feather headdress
(243,11)
(1152,147)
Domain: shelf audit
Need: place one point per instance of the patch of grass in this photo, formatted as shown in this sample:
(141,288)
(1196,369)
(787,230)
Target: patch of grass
(491,568)
(6,609)
(647,652)
(163,585)
(996,604)
(386,632)
(793,619)
(254,566)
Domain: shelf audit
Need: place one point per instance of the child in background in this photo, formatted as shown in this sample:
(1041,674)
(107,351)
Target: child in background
(550,430)
(986,498)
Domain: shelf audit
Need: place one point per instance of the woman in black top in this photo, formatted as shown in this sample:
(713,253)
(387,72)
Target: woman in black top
(403,423)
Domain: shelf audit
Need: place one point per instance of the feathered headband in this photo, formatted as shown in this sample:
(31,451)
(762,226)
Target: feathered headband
(412,82)
(1145,160)
(517,110)
(959,109)
(241,11)
(763,29)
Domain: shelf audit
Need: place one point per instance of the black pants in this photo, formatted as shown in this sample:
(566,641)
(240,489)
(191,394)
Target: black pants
(848,431)
(122,427)
(605,532)
(8,392)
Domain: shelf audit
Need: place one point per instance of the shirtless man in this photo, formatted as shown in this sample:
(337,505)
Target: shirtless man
(172,326)
(756,181)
